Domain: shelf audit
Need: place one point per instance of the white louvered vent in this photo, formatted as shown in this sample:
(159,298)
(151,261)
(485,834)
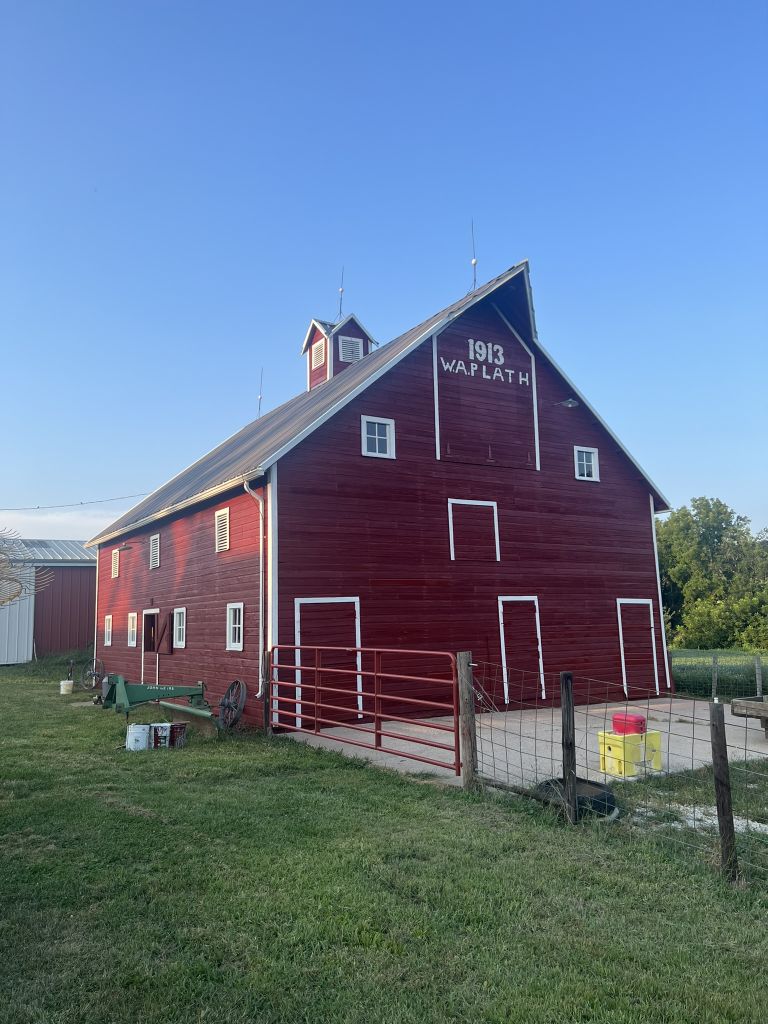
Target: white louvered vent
(154,551)
(222,529)
(350,349)
(115,564)
(318,354)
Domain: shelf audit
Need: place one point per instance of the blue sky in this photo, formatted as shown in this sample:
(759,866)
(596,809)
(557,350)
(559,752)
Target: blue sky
(181,183)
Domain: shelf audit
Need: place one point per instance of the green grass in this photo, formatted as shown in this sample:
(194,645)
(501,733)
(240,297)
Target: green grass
(256,880)
(692,673)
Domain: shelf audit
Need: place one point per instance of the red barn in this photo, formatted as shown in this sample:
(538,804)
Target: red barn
(449,490)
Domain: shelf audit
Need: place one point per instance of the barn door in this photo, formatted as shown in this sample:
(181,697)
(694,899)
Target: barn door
(326,622)
(150,618)
(522,661)
(637,644)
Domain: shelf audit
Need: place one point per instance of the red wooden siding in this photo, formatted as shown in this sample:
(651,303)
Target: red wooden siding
(349,330)
(194,576)
(382,525)
(320,373)
(64,609)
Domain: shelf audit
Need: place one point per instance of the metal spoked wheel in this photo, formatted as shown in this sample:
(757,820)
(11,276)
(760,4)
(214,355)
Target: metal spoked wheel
(231,705)
(91,676)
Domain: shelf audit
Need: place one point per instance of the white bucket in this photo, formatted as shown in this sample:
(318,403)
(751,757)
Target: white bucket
(159,735)
(137,737)
(65,687)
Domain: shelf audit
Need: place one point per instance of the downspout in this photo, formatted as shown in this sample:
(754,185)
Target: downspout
(257,498)
(96,613)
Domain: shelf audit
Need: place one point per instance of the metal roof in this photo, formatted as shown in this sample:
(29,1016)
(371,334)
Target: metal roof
(248,453)
(52,551)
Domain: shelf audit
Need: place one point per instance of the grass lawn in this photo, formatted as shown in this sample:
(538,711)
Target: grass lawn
(255,880)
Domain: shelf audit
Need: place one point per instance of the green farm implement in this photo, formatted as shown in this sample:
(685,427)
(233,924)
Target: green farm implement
(124,697)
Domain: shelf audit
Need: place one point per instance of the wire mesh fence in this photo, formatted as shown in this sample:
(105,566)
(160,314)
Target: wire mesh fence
(719,673)
(643,760)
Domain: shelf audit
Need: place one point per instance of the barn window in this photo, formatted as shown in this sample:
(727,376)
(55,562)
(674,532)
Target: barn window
(107,630)
(318,354)
(350,349)
(154,551)
(378,437)
(132,628)
(115,564)
(221,526)
(586,464)
(179,627)
(235,627)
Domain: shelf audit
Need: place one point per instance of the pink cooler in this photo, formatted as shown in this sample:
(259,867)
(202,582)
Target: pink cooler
(624,723)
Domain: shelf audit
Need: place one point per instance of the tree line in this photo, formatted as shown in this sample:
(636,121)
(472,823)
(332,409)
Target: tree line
(714,577)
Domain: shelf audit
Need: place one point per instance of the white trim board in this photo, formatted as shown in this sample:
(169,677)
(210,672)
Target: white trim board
(649,603)
(533,385)
(502,639)
(658,590)
(435,397)
(466,501)
(272,577)
(144,612)
(297,603)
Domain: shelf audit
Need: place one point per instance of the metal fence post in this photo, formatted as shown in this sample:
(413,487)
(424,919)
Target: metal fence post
(729,864)
(714,677)
(467,720)
(569,747)
(758,676)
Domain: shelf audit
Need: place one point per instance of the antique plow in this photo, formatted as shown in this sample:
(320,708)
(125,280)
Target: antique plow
(124,697)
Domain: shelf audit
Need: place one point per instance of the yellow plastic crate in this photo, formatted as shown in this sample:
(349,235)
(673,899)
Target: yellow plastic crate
(625,755)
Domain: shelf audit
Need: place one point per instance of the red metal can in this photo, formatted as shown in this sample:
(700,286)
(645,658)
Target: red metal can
(624,723)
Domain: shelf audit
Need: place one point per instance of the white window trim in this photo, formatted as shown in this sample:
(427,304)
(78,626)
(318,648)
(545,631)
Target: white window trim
(115,563)
(107,630)
(595,463)
(223,514)
(465,501)
(231,607)
(316,360)
(510,599)
(358,341)
(133,628)
(154,549)
(180,644)
(390,425)
(637,600)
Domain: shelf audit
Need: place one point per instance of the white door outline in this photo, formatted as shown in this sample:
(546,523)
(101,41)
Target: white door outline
(144,613)
(297,603)
(535,601)
(483,504)
(637,600)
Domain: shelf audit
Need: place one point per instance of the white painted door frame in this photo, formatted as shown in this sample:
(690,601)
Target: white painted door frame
(144,613)
(297,603)
(535,600)
(649,604)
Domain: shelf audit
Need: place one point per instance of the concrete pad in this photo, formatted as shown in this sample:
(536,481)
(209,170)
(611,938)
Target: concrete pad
(523,748)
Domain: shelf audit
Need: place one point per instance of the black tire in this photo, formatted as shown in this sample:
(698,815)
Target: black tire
(231,705)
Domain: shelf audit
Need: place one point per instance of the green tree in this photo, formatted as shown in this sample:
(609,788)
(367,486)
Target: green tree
(714,577)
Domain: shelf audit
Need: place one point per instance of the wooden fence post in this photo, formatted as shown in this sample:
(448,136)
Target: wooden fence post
(468,734)
(729,864)
(714,677)
(569,747)
(758,676)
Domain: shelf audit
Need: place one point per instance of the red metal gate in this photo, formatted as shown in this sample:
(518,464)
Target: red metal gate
(367,693)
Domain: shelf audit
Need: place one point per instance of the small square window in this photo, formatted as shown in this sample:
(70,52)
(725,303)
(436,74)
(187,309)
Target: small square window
(132,628)
(318,354)
(115,564)
(586,464)
(235,627)
(221,529)
(350,349)
(378,437)
(154,551)
(107,630)
(179,628)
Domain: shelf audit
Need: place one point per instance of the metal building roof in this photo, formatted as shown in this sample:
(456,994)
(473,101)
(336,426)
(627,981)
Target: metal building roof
(52,551)
(248,453)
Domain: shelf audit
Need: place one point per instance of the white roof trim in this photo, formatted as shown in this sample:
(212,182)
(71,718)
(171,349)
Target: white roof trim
(337,327)
(313,324)
(334,330)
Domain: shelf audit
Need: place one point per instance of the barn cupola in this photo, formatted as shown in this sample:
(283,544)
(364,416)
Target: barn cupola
(331,348)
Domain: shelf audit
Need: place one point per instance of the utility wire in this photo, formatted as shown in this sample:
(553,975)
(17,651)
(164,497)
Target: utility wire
(74,504)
